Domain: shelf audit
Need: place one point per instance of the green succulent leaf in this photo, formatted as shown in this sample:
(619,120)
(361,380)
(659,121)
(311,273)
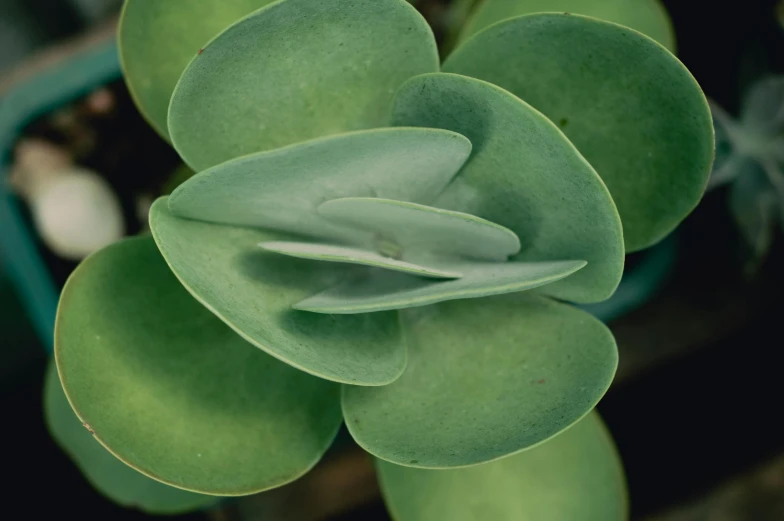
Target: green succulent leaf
(158,39)
(523,174)
(110,476)
(172,391)
(729,162)
(574,476)
(294,71)
(485,379)
(755,207)
(381,290)
(423,230)
(345,254)
(281,189)
(253,292)
(763,106)
(632,109)
(647,16)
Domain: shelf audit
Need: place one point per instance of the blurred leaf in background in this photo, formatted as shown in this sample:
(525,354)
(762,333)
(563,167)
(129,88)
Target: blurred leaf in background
(750,159)
(96,10)
(780,12)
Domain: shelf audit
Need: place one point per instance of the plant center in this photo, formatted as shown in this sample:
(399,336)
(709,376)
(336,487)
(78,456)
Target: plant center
(387,247)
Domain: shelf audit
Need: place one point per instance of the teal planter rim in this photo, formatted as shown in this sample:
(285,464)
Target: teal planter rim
(27,100)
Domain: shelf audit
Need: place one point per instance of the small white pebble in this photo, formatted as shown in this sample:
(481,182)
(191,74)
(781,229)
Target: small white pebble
(77,213)
(36,162)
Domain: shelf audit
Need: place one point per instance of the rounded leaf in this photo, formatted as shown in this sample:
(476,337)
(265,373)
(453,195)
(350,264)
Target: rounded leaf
(172,391)
(574,476)
(647,16)
(281,189)
(424,230)
(631,108)
(110,476)
(485,379)
(296,70)
(253,291)
(524,174)
(158,40)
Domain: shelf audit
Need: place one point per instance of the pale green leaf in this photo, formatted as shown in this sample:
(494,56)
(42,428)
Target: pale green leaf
(380,290)
(253,291)
(281,189)
(345,254)
(422,230)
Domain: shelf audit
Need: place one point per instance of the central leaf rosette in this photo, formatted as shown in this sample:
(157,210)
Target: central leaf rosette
(315,251)
(390,219)
(415,254)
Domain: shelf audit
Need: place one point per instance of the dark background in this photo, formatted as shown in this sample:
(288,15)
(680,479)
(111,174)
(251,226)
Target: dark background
(682,426)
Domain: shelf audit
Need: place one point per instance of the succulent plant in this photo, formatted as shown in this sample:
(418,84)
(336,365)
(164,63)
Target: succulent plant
(376,238)
(750,159)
